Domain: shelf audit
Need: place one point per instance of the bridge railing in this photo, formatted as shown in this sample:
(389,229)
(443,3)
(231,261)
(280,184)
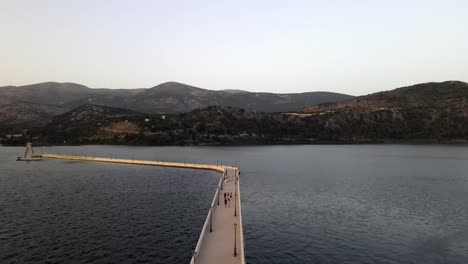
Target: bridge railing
(242,245)
(207,222)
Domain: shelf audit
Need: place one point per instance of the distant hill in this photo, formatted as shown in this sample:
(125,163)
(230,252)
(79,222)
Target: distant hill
(20,116)
(93,124)
(182,98)
(435,111)
(32,106)
(431,112)
(84,114)
(434,95)
(44,93)
(168,97)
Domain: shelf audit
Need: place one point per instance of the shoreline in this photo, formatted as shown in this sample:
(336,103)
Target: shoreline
(459,142)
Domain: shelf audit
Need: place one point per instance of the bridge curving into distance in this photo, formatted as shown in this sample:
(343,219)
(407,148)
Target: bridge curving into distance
(221,239)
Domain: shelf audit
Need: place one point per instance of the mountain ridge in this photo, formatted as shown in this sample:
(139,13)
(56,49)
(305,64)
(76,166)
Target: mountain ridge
(429,112)
(20,116)
(167,97)
(424,94)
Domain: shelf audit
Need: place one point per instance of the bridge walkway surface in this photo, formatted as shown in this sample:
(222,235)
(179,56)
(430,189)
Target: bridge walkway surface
(225,243)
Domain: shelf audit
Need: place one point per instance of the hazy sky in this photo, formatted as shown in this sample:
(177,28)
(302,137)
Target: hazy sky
(353,47)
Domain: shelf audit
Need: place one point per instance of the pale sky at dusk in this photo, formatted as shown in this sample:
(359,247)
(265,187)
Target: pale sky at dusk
(353,47)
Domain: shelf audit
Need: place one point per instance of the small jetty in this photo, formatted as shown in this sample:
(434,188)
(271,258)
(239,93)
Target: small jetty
(221,239)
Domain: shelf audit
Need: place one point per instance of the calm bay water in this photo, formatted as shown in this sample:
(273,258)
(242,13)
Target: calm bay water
(301,204)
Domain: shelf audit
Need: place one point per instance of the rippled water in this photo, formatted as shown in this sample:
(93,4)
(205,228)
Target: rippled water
(74,212)
(301,204)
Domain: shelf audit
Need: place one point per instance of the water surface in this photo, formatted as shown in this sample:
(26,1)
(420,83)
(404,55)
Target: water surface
(58,211)
(301,204)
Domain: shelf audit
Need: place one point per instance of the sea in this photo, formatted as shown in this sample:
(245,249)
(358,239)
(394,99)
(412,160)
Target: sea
(300,204)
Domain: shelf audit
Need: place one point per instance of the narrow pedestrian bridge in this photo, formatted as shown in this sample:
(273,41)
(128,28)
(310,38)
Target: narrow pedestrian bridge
(221,239)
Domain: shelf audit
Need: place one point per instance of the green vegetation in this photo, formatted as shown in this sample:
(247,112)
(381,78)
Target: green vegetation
(434,112)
